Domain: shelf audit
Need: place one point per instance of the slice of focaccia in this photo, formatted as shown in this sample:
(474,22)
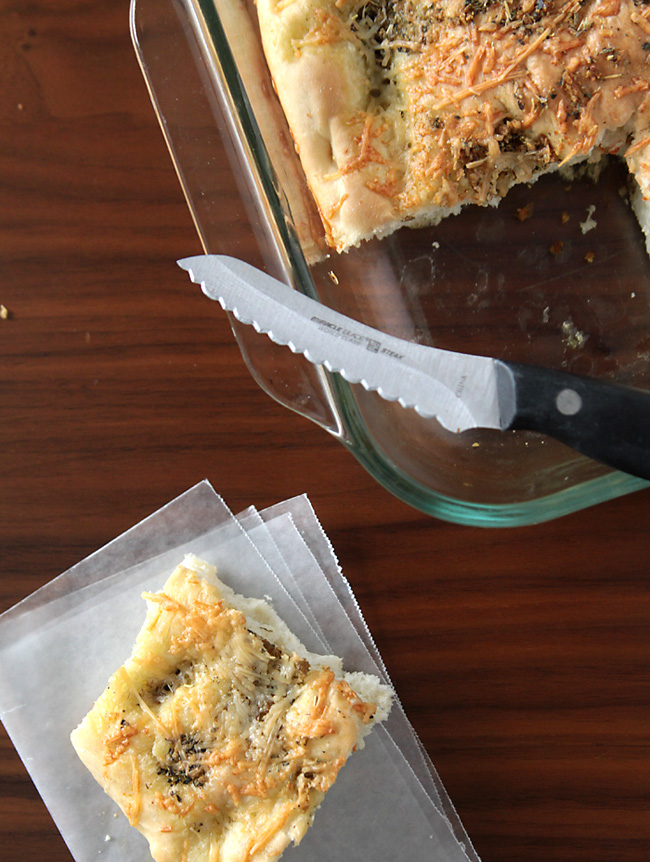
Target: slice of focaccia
(402,111)
(220,735)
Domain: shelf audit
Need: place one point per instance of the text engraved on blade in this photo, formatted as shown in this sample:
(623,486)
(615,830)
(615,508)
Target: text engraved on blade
(349,335)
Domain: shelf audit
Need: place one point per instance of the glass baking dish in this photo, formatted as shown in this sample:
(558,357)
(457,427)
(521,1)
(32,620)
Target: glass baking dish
(557,275)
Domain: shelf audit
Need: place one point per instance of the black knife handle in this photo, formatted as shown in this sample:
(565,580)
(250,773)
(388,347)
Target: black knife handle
(604,421)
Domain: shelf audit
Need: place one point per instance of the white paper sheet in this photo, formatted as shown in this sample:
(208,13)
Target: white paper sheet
(60,645)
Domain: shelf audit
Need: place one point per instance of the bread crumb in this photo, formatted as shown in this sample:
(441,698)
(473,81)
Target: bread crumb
(333,276)
(572,336)
(590,256)
(589,223)
(526,212)
(4,312)
(557,248)
(565,217)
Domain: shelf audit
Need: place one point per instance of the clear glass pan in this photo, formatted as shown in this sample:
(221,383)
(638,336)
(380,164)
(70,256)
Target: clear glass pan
(557,275)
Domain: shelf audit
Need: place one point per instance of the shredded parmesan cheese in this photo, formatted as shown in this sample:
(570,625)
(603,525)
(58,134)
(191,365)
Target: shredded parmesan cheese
(452,102)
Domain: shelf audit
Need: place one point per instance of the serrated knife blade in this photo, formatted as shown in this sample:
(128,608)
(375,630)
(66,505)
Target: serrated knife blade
(461,393)
(605,421)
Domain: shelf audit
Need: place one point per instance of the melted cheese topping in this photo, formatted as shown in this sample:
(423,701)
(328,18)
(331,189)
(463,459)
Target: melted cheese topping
(217,744)
(455,101)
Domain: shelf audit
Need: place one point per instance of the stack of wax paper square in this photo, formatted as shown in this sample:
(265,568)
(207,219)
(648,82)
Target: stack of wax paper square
(60,645)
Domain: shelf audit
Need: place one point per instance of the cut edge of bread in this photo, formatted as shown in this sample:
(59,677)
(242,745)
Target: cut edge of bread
(265,621)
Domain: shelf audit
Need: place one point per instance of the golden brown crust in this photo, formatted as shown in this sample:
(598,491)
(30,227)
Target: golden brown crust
(320,76)
(403,111)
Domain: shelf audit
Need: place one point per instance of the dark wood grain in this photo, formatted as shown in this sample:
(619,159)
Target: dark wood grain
(520,655)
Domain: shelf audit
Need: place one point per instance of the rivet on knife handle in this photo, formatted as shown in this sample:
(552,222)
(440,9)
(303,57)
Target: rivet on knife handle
(602,420)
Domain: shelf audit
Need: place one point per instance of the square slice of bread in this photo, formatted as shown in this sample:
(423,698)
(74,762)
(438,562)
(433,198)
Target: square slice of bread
(221,734)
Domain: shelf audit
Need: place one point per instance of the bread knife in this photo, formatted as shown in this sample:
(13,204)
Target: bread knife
(605,421)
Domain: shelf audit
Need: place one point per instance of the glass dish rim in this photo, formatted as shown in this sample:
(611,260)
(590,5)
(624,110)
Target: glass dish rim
(528,512)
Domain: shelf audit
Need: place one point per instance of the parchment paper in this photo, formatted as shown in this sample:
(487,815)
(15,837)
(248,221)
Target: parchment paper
(60,645)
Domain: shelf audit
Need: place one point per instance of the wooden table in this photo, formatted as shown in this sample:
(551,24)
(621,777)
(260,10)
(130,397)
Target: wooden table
(521,656)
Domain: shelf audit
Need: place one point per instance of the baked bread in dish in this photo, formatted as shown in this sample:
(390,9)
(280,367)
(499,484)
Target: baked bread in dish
(220,735)
(403,111)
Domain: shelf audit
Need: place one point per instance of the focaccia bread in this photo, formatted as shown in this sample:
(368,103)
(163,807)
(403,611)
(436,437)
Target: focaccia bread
(403,111)
(220,735)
